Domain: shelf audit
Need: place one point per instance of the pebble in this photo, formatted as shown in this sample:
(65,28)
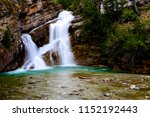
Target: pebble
(106,94)
(11,91)
(107,79)
(29,87)
(18,79)
(142,80)
(134,87)
(63,87)
(81,90)
(81,77)
(75,92)
(147,97)
(31,82)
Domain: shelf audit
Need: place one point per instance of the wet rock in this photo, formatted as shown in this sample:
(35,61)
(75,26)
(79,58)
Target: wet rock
(126,89)
(106,94)
(63,87)
(11,91)
(147,97)
(29,98)
(142,80)
(30,77)
(107,79)
(124,83)
(82,77)
(81,90)
(75,92)
(134,87)
(30,87)
(44,97)
(31,82)
(18,79)
(34,82)
(24,88)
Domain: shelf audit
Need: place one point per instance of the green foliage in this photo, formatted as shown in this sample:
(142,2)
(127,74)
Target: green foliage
(99,25)
(69,4)
(128,15)
(94,21)
(132,43)
(113,8)
(7,38)
(65,3)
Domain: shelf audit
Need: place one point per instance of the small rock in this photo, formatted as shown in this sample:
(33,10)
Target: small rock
(75,93)
(30,77)
(126,89)
(29,87)
(134,87)
(81,77)
(147,86)
(18,79)
(107,79)
(11,91)
(31,82)
(81,90)
(63,87)
(147,97)
(142,79)
(124,83)
(106,94)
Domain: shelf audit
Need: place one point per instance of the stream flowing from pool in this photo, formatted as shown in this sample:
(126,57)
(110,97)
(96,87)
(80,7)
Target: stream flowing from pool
(73,83)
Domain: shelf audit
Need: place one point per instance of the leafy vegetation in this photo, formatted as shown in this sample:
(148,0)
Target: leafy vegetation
(7,38)
(128,15)
(130,43)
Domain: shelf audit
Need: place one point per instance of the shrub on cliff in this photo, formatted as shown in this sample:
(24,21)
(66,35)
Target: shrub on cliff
(7,38)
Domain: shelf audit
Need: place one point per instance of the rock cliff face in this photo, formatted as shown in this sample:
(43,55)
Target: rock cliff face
(86,53)
(9,36)
(21,16)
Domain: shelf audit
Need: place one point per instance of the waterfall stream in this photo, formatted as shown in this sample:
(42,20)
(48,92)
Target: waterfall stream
(59,44)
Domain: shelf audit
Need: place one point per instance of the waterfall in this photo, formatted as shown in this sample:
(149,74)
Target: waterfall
(33,58)
(59,43)
(59,31)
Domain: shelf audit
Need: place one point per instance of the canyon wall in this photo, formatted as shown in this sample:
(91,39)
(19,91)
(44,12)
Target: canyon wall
(21,16)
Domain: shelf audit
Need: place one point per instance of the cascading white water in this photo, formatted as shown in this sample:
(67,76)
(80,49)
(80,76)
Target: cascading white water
(59,42)
(33,58)
(59,31)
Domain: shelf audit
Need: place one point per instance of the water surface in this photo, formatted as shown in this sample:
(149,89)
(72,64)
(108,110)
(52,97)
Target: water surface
(78,82)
